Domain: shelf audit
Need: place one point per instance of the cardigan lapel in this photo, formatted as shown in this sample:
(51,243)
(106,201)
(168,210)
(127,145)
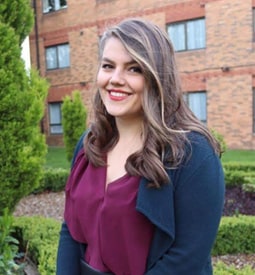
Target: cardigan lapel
(157,205)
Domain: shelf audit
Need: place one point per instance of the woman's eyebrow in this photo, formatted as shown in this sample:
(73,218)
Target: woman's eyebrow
(131,62)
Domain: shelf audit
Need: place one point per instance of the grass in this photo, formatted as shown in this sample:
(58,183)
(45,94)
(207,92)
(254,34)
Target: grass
(238,156)
(56,158)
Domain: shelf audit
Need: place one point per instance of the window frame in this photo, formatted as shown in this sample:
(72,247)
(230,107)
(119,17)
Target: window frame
(56,47)
(52,124)
(48,10)
(186,99)
(186,35)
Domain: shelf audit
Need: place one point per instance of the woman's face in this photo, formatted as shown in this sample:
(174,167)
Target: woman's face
(120,81)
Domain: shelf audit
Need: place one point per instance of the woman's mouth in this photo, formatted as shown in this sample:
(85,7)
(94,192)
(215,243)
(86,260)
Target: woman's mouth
(118,95)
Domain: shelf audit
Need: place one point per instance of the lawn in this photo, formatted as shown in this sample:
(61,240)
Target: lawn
(56,157)
(239,156)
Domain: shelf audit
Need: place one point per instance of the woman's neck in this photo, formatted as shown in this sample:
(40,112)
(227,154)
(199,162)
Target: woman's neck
(129,128)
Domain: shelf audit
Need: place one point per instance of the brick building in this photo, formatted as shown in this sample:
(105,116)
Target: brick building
(215,53)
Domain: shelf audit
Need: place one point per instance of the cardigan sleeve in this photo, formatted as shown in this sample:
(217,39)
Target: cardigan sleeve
(69,251)
(198,204)
(69,254)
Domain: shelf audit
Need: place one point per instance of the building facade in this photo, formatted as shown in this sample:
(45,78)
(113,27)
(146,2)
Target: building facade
(214,42)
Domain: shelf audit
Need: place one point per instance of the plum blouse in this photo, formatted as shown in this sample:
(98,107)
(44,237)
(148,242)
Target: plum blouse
(117,236)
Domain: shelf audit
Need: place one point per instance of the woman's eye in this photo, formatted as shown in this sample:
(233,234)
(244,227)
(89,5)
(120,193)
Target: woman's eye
(107,66)
(135,69)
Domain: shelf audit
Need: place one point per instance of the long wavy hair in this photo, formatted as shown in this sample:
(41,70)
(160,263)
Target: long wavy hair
(167,118)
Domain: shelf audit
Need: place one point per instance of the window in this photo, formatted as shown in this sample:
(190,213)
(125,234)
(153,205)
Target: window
(187,35)
(53,5)
(55,118)
(197,103)
(58,57)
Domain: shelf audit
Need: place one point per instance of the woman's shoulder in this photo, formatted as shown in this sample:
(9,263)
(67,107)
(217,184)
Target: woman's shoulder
(198,150)
(200,158)
(79,146)
(198,143)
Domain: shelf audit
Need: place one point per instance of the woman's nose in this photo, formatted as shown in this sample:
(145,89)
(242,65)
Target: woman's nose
(117,78)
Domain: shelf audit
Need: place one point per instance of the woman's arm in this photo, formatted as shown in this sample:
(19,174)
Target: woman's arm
(69,251)
(199,197)
(69,254)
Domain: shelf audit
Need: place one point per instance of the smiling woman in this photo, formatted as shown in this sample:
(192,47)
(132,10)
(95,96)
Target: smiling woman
(146,190)
(120,82)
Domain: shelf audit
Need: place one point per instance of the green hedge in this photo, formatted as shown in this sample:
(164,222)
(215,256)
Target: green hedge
(240,166)
(236,174)
(40,236)
(54,179)
(236,235)
(240,174)
(222,269)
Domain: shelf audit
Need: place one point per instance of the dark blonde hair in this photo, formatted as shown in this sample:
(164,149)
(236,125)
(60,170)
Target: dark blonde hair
(167,119)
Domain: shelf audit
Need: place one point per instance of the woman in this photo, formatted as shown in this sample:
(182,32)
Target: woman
(146,190)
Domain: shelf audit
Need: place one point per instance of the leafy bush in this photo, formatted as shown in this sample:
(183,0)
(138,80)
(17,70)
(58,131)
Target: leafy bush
(237,174)
(240,166)
(220,139)
(22,146)
(249,187)
(40,235)
(18,15)
(54,179)
(235,235)
(223,269)
(74,116)
(8,246)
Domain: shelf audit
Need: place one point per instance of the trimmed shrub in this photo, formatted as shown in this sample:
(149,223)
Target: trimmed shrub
(223,269)
(235,235)
(237,174)
(74,116)
(54,179)
(22,145)
(40,236)
(237,166)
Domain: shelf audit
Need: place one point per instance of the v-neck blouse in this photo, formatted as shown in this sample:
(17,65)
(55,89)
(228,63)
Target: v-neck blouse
(118,237)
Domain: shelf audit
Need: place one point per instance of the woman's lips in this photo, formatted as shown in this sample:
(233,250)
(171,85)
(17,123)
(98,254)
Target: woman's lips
(118,95)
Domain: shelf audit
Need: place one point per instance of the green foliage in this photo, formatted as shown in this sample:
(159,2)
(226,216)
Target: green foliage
(40,235)
(223,269)
(54,179)
(8,246)
(18,15)
(220,139)
(239,166)
(240,174)
(22,146)
(74,116)
(235,235)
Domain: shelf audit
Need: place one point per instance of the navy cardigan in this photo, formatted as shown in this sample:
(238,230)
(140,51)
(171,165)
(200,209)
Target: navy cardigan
(186,214)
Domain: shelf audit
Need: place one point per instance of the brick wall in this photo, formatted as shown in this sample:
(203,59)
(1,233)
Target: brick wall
(228,45)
